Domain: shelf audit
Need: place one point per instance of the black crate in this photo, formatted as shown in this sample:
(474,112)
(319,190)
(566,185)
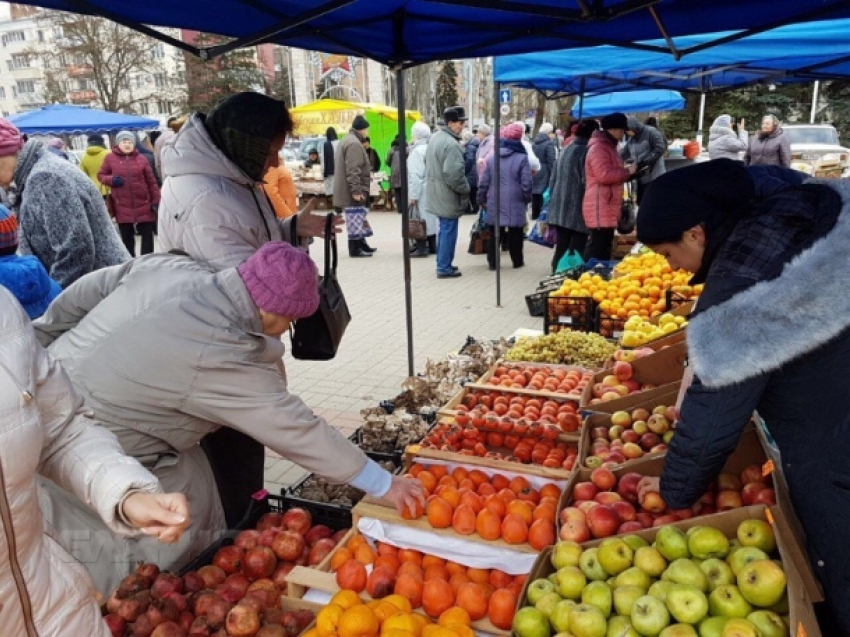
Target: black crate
(536,302)
(672,300)
(378,456)
(609,326)
(576,313)
(327,510)
(262,503)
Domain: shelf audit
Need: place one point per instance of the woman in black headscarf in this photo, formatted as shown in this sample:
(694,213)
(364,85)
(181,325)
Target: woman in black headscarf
(771,332)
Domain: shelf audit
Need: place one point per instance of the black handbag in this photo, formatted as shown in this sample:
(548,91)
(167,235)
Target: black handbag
(317,337)
(628,216)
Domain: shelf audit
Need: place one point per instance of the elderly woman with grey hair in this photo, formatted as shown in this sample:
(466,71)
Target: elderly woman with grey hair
(771,147)
(421,133)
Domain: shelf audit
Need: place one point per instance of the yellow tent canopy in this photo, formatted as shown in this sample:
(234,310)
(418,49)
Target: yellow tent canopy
(315,117)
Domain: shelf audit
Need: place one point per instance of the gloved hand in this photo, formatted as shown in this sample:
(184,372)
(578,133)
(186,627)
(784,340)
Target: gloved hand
(117,181)
(546,196)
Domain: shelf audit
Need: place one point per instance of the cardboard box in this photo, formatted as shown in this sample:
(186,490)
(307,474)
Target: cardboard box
(450,408)
(802,617)
(483,382)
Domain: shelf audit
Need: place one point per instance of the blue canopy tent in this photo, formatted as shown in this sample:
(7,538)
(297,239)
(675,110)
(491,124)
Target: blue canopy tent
(628,102)
(58,119)
(403,33)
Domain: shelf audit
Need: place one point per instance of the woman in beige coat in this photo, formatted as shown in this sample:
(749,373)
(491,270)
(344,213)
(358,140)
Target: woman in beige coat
(43,429)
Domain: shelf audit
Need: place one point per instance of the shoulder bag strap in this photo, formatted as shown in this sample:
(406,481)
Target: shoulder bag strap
(330,249)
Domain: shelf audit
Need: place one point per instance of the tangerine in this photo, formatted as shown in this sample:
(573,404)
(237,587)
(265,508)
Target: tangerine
(437,597)
(352,575)
(400,602)
(514,529)
(358,621)
(327,620)
(455,615)
(346,599)
(340,557)
(473,599)
(501,607)
(402,622)
(463,520)
(439,513)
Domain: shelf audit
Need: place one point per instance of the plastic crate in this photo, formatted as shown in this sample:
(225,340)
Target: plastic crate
(536,302)
(603,268)
(576,313)
(341,513)
(609,326)
(263,502)
(555,280)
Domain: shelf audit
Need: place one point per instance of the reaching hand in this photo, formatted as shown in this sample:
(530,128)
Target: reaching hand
(310,225)
(405,492)
(161,515)
(646,485)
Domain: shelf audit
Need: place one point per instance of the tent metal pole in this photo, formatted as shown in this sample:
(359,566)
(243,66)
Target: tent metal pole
(495,185)
(814,102)
(701,118)
(405,216)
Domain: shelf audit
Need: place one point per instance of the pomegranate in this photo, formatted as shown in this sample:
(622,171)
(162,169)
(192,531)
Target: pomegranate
(133,584)
(255,600)
(142,627)
(148,570)
(317,533)
(229,593)
(320,550)
(288,546)
(168,629)
(117,625)
(131,609)
(290,624)
(113,602)
(212,575)
(229,559)
(259,562)
(161,611)
(280,573)
(242,622)
(337,537)
(179,600)
(238,581)
(192,582)
(185,620)
(304,617)
(248,539)
(166,583)
(267,590)
(273,616)
(200,628)
(298,520)
(204,601)
(269,520)
(272,630)
(267,537)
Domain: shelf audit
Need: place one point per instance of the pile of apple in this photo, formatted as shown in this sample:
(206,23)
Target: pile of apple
(631,435)
(606,506)
(690,584)
(238,595)
(618,384)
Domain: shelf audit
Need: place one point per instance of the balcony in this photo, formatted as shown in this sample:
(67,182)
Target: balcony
(82,97)
(79,70)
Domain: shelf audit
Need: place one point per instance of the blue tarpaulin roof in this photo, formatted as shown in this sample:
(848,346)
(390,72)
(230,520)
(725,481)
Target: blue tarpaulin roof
(630,102)
(800,52)
(414,31)
(56,119)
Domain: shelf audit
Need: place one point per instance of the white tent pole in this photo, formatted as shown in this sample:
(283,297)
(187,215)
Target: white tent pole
(701,118)
(814,102)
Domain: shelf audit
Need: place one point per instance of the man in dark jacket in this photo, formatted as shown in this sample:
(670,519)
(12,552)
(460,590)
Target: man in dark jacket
(470,152)
(544,149)
(645,147)
(328,150)
(351,185)
(771,333)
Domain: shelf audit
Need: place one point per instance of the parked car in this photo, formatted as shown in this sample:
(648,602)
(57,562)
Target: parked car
(291,160)
(816,146)
(313,143)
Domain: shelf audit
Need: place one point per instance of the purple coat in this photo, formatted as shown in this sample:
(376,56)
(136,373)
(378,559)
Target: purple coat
(515,191)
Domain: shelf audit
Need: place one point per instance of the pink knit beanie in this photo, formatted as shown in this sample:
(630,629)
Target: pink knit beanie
(10,138)
(282,280)
(512,131)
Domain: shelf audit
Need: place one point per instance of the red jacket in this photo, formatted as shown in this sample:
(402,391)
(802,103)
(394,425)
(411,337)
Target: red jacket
(134,201)
(604,177)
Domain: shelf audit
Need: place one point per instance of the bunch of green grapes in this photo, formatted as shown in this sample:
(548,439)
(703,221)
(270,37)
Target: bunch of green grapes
(563,348)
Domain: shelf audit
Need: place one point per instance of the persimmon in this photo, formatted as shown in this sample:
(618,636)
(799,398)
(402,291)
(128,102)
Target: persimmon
(541,534)
(488,525)
(437,597)
(496,505)
(478,477)
(388,561)
(522,509)
(472,598)
(550,491)
(457,580)
(411,587)
(544,512)
(381,582)
(450,494)
(501,608)
(463,520)
(436,571)
(430,560)
(340,557)
(507,495)
(412,568)
(499,482)
(417,512)
(478,575)
(410,555)
(428,480)
(518,484)
(386,549)
(514,529)
(485,488)
(473,500)
(454,567)
(355,542)
(351,575)
(416,469)
(499,579)
(439,513)
(438,470)
(446,481)
(365,554)
(466,483)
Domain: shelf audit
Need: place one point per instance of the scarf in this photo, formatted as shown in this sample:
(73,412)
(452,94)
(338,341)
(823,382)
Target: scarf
(514,145)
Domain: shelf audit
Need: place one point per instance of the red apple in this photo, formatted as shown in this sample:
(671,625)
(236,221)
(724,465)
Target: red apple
(658,424)
(614,458)
(630,436)
(671,414)
(750,491)
(627,486)
(632,451)
(645,518)
(728,500)
(571,513)
(298,520)
(586,506)
(630,527)
(624,510)
(599,433)
(317,533)
(751,474)
(660,448)
(682,514)
(599,389)
(621,419)
(608,498)
(632,385)
(575,531)
(649,440)
(705,509)
(640,414)
(653,502)
(602,521)
(728,482)
(622,370)
(765,496)
(664,520)
(603,479)
(616,432)
(337,537)
(584,491)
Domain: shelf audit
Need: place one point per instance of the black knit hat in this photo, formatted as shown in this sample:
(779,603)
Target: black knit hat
(614,120)
(95,140)
(360,123)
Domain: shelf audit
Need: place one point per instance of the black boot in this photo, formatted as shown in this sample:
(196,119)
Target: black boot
(421,249)
(355,249)
(432,244)
(366,248)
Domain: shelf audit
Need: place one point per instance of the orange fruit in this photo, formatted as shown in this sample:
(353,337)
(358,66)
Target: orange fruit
(463,520)
(365,554)
(327,620)
(500,579)
(500,608)
(410,567)
(430,560)
(454,567)
(478,477)
(400,602)
(472,598)
(417,512)
(346,599)
(381,582)
(473,500)
(438,470)
(541,534)
(437,597)
(457,580)
(499,482)
(410,555)
(386,549)
(496,505)
(522,509)
(439,513)
(428,480)
(436,571)
(455,615)
(411,587)
(358,621)
(550,491)
(544,512)
(488,525)
(340,557)
(388,561)
(449,494)
(478,575)
(352,575)
(514,529)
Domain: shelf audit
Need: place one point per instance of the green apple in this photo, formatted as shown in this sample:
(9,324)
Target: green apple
(621,627)
(718,572)
(547,603)
(672,543)
(649,616)
(679,630)
(530,622)
(768,624)
(598,594)
(559,618)
(693,530)
(569,582)
(635,541)
(614,555)
(587,621)
(660,589)
(553,577)
(537,589)
(706,542)
(633,577)
(590,566)
(762,582)
(739,558)
(565,553)
(739,628)
(726,601)
(625,598)
(687,604)
(712,626)
(757,533)
(780,607)
(650,561)
(684,571)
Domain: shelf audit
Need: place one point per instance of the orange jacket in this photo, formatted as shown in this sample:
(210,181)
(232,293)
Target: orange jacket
(281,190)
